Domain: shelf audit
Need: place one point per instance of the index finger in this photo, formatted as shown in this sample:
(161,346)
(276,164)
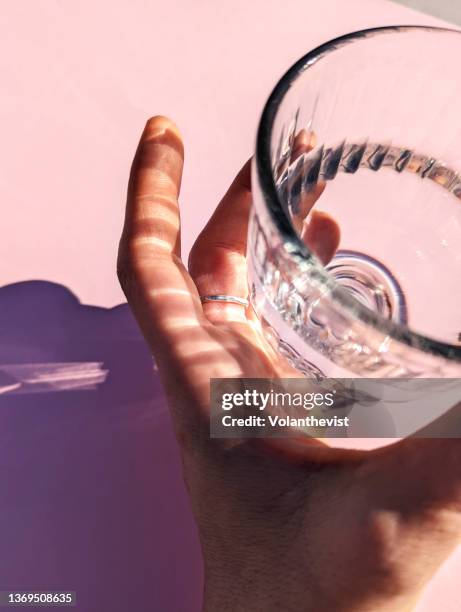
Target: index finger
(158,287)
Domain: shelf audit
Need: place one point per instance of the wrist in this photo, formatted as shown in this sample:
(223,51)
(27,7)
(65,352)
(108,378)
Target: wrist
(278,591)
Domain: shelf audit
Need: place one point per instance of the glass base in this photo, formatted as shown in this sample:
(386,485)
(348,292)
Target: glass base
(370,282)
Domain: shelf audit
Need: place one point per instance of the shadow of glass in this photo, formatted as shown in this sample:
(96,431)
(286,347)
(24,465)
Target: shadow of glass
(92,496)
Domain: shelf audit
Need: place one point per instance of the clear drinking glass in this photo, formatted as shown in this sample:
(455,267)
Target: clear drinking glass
(380,110)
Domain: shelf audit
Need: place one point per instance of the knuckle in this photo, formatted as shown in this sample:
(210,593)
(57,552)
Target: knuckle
(196,254)
(124,270)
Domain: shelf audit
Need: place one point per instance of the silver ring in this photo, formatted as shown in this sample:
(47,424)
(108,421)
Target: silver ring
(231,299)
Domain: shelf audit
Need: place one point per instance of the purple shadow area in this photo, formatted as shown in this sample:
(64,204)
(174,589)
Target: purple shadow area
(91,498)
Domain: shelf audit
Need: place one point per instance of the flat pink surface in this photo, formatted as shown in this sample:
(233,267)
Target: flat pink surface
(79,79)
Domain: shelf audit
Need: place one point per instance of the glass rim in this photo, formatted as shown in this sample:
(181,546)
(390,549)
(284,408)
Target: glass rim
(295,248)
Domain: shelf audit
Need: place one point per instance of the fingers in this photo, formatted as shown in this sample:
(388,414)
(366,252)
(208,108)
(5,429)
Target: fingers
(306,204)
(217,260)
(318,230)
(303,143)
(152,213)
(158,288)
(322,235)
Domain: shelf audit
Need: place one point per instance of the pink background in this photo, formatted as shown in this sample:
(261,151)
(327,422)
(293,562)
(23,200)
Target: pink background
(94,500)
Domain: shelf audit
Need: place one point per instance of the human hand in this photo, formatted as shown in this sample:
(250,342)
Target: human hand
(284,525)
